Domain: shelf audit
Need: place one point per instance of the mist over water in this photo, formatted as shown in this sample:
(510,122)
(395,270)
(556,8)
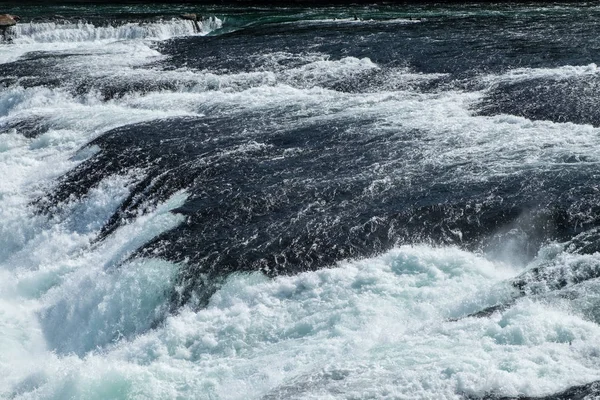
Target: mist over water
(304,203)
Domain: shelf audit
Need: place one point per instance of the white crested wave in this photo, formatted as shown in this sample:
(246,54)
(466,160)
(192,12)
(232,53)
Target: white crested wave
(58,32)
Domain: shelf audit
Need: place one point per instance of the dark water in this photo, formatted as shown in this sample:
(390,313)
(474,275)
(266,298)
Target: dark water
(301,138)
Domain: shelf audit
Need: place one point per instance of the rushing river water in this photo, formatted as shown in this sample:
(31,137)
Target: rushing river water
(367,202)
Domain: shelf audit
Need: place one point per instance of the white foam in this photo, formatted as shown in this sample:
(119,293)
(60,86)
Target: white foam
(85,37)
(86,116)
(102,301)
(49,268)
(318,71)
(376,327)
(52,32)
(559,73)
(42,257)
(321,72)
(68,296)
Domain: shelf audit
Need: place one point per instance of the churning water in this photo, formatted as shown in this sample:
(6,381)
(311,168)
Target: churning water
(300,203)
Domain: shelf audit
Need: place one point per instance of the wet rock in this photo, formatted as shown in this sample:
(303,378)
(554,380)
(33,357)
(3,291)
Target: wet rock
(194,18)
(488,311)
(7,20)
(191,17)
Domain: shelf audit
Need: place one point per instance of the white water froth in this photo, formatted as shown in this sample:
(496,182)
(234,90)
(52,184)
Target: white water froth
(83,32)
(85,37)
(56,289)
(318,72)
(560,73)
(450,137)
(377,327)
(59,292)
(48,264)
(71,120)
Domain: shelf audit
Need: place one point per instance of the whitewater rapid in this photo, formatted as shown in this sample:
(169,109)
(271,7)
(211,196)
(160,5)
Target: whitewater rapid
(85,36)
(91,319)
